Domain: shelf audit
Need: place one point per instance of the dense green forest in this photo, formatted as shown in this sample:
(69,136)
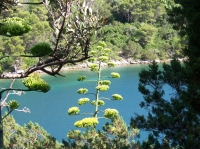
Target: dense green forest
(40,31)
(139,29)
(136,29)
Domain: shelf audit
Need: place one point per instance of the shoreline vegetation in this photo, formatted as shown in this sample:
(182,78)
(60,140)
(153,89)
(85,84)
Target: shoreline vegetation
(122,62)
(84,65)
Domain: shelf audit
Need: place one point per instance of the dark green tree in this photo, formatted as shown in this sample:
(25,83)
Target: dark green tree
(173,123)
(132,50)
(185,17)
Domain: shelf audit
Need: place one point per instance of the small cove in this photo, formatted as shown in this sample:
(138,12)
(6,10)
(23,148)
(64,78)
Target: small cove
(50,109)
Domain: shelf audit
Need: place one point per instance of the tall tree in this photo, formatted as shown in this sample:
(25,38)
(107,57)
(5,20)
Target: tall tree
(171,121)
(175,120)
(185,16)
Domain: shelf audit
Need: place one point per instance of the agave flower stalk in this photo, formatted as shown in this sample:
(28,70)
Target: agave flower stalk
(98,56)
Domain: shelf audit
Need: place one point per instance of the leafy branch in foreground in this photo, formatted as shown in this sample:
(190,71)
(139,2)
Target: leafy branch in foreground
(121,134)
(33,83)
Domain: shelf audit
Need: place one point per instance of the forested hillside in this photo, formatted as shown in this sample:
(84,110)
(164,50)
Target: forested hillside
(35,15)
(137,30)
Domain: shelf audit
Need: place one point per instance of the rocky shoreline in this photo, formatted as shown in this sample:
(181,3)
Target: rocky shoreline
(84,65)
(116,62)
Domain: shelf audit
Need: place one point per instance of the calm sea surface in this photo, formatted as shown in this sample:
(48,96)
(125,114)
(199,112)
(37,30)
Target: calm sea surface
(50,109)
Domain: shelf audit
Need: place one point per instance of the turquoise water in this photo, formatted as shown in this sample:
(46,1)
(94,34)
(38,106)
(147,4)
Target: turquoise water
(50,109)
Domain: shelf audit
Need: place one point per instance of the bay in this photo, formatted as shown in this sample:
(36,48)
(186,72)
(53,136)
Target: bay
(50,109)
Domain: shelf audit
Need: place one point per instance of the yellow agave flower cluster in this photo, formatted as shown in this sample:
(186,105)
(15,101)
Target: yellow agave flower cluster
(93,67)
(100,102)
(117,97)
(87,122)
(111,64)
(102,88)
(99,54)
(82,101)
(82,91)
(73,111)
(103,58)
(81,78)
(115,75)
(110,113)
(105,82)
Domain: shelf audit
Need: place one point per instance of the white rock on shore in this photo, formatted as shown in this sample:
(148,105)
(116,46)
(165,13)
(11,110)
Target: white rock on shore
(116,62)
